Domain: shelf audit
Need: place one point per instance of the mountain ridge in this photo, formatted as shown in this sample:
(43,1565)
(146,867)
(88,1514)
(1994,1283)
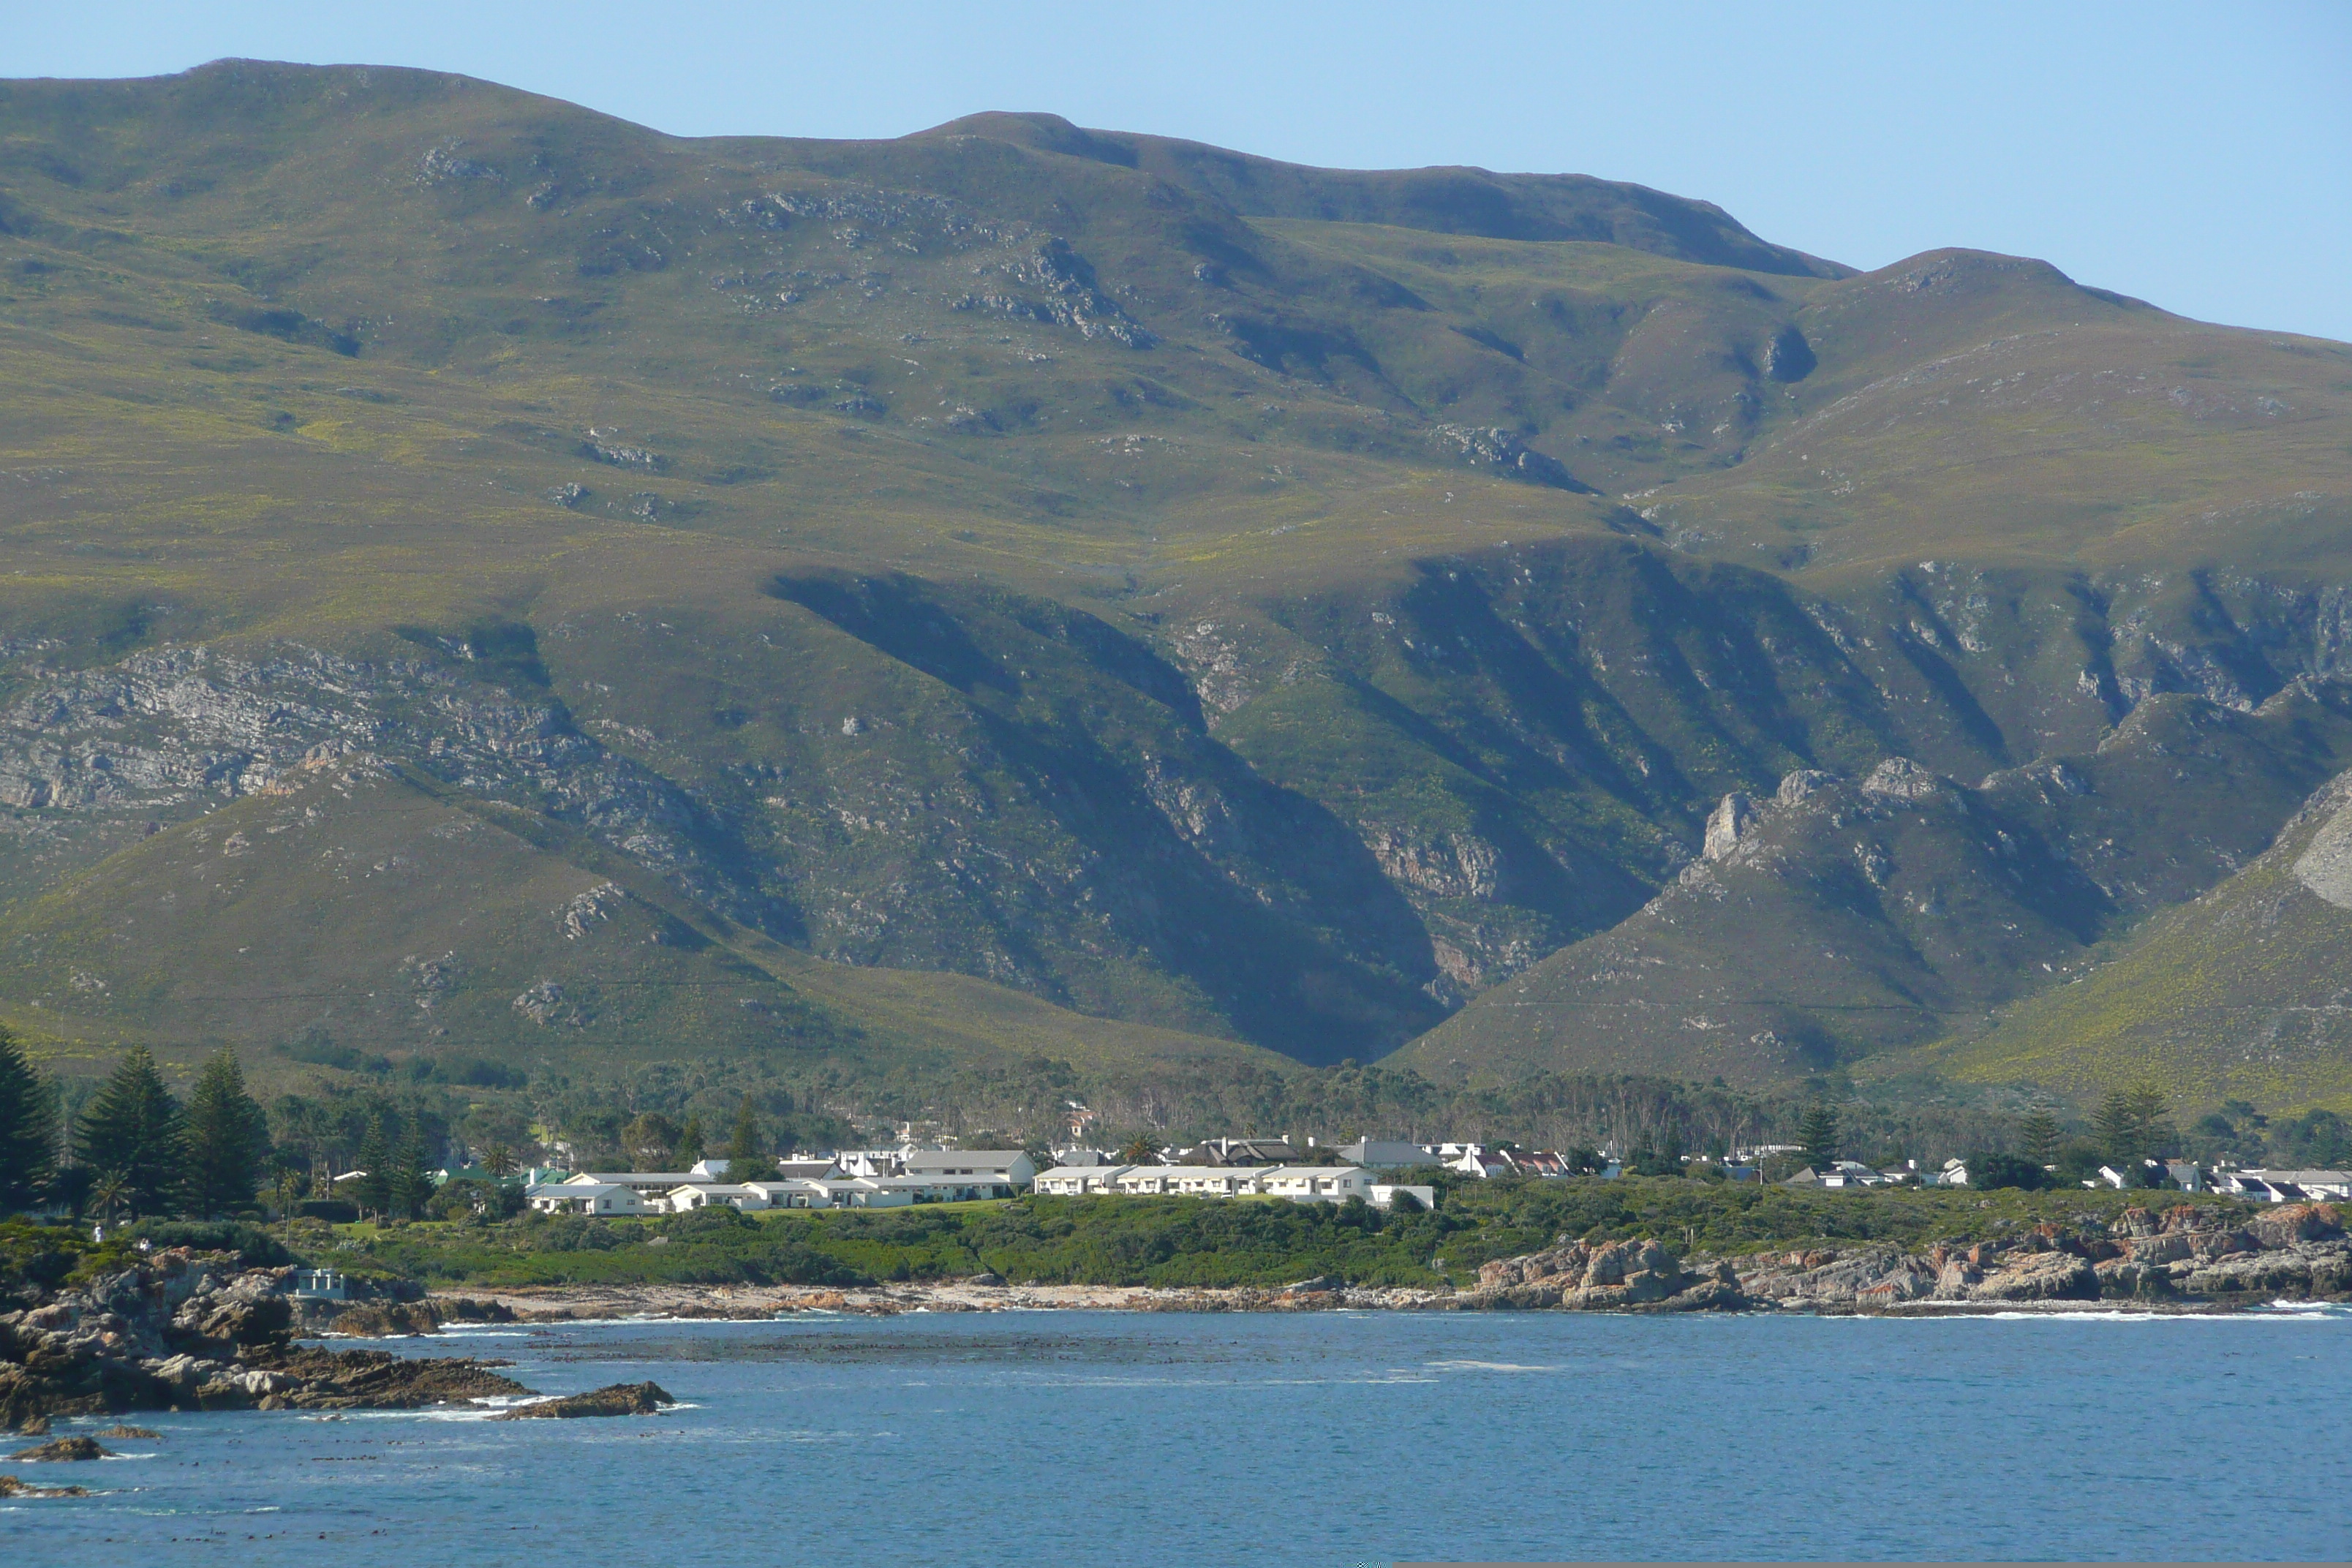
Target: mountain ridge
(950,556)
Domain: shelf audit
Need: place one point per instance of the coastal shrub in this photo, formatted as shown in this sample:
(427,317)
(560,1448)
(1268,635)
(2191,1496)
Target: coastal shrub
(1987,1171)
(254,1247)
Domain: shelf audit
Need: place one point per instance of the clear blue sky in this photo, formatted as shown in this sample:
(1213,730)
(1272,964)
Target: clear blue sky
(2197,155)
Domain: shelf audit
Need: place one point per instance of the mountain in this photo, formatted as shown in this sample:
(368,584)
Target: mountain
(2242,994)
(1194,603)
(1839,918)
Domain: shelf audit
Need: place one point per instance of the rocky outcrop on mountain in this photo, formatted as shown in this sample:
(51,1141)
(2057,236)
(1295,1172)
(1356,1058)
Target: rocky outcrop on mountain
(1503,452)
(169,730)
(185,1330)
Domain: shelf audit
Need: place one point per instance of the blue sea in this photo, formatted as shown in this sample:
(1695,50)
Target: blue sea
(1063,1438)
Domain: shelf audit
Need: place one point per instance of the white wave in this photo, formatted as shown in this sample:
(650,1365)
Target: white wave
(1487,1366)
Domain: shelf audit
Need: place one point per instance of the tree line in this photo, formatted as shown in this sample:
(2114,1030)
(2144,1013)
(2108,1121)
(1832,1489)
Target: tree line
(136,1149)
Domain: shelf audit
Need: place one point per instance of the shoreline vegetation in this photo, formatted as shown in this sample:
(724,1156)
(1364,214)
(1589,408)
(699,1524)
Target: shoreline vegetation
(207,1317)
(1582,1243)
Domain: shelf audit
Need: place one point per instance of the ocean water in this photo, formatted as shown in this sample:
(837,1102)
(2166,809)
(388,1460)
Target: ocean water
(1064,1438)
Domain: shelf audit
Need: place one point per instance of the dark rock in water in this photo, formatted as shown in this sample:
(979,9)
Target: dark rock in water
(313,1379)
(386,1319)
(57,1449)
(620,1399)
(120,1433)
(10,1487)
(467,1310)
(34,1426)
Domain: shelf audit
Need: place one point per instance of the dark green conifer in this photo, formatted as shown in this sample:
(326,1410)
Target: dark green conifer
(372,1189)
(228,1138)
(29,1128)
(132,1128)
(689,1144)
(747,1158)
(412,1183)
(1817,1136)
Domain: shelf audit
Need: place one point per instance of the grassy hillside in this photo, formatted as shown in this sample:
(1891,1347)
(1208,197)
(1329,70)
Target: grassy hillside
(1844,916)
(1223,600)
(2244,993)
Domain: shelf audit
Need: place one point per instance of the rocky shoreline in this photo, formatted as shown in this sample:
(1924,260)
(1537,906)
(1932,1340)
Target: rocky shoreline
(185,1330)
(2182,1261)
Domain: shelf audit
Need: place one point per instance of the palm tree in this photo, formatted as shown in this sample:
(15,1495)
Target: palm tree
(109,1193)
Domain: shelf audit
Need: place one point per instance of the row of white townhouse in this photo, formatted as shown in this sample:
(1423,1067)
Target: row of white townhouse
(1300,1183)
(629,1192)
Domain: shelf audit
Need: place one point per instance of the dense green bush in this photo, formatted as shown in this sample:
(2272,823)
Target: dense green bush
(1192,1241)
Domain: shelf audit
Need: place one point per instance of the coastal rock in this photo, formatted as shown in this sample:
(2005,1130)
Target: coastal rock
(2041,1277)
(378,1379)
(2307,1268)
(58,1450)
(618,1399)
(11,1486)
(387,1320)
(123,1432)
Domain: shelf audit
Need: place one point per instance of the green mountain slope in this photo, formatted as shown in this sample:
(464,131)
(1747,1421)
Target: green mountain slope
(1843,917)
(1171,588)
(347,911)
(2244,993)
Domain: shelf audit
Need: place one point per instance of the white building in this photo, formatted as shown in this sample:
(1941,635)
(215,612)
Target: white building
(1300,1183)
(2285,1186)
(1080,1179)
(999,1167)
(584,1195)
(618,1192)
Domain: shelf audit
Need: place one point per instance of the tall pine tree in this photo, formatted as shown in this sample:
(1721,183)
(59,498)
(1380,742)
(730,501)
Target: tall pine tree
(1817,1136)
(412,1184)
(747,1158)
(689,1145)
(29,1128)
(2037,1136)
(372,1188)
(228,1138)
(132,1128)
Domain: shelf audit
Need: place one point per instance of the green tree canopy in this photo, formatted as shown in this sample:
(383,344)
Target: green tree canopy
(29,1128)
(689,1145)
(2037,1137)
(1817,1135)
(132,1128)
(646,1143)
(228,1138)
(411,1185)
(373,1190)
(747,1158)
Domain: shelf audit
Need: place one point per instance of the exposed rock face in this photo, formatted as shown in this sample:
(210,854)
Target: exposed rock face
(618,1399)
(1901,778)
(190,1331)
(381,1319)
(10,1487)
(1733,816)
(2325,867)
(1503,452)
(1615,1275)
